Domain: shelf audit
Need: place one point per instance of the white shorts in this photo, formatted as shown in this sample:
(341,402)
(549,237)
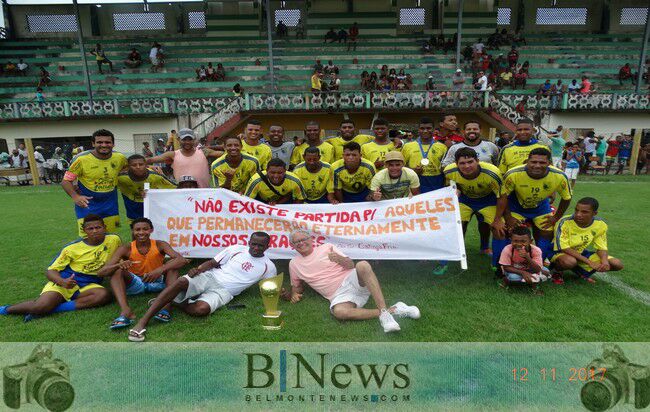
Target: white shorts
(572,173)
(351,291)
(557,161)
(205,287)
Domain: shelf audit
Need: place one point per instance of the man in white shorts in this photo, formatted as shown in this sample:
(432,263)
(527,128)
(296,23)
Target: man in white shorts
(347,286)
(214,283)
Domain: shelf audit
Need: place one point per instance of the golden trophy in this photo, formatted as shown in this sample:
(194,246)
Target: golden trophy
(270,290)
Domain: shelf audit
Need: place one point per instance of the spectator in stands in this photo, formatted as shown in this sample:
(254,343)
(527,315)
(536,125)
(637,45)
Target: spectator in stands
(544,89)
(335,82)
(373,82)
(316,83)
(209,72)
(611,155)
(160,147)
(318,66)
(331,36)
(220,73)
(504,139)
(146,150)
(518,38)
(330,68)
(300,29)
(202,74)
(493,40)
(384,72)
(481,82)
(10,68)
(101,58)
(281,30)
(365,80)
(237,90)
(173,142)
(585,87)
(557,145)
(430,85)
(39,97)
(625,73)
(574,158)
(133,60)
(448,46)
(556,92)
(624,153)
(467,54)
(353,36)
(458,81)
(156,56)
(520,108)
(478,47)
(22,67)
(513,56)
(426,47)
(342,35)
(506,79)
(520,79)
(392,77)
(44,79)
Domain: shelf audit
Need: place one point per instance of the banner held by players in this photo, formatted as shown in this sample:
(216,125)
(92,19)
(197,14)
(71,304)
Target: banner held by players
(200,222)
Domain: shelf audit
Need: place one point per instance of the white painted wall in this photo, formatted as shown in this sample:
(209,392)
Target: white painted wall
(123,129)
(602,123)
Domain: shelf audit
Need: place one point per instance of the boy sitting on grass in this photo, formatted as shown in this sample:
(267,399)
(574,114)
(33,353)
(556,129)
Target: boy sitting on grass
(522,262)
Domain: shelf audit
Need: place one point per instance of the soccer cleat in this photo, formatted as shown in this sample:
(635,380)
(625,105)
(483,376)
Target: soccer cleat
(388,322)
(487,252)
(440,270)
(557,278)
(402,310)
(3,310)
(589,280)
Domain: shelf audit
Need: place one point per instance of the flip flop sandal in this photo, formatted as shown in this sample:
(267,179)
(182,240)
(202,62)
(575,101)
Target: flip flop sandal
(135,336)
(120,322)
(163,316)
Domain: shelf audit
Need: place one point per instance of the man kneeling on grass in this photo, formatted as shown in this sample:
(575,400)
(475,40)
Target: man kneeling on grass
(522,262)
(214,283)
(140,267)
(577,233)
(347,286)
(74,282)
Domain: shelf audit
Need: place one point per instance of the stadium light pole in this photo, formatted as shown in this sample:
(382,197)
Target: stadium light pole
(82,49)
(644,49)
(269,33)
(459,28)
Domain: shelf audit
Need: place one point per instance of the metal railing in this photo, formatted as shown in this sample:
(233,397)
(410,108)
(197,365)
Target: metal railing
(225,107)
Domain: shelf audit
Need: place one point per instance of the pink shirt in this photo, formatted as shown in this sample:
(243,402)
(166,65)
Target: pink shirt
(586,86)
(195,165)
(320,273)
(510,258)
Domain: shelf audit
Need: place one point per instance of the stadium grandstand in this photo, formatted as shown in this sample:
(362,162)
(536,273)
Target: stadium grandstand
(265,53)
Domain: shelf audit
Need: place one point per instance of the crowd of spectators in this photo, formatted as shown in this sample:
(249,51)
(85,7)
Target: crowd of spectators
(210,73)
(348,37)
(325,78)
(388,79)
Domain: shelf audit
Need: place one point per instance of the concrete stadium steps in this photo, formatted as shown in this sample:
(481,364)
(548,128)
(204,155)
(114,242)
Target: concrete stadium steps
(379,23)
(474,23)
(238,25)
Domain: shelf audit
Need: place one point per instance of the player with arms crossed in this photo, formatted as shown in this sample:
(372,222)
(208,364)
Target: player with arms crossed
(575,235)
(316,178)
(140,267)
(525,197)
(347,285)
(74,282)
(214,283)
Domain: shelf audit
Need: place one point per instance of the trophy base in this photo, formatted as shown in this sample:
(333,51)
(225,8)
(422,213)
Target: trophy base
(272,322)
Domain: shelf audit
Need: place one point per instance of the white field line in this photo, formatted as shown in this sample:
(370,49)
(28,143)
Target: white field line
(636,294)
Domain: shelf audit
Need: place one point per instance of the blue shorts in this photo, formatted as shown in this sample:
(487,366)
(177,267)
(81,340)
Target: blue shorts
(483,207)
(543,208)
(138,286)
(355,197)
(321,200)
(431,183)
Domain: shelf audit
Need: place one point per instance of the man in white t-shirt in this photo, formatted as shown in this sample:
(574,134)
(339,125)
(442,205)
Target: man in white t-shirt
(478,46)
(345,284)
(214,283)
(482,82)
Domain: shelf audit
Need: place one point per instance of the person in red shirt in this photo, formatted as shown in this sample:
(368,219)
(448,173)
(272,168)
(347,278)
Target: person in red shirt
(613,145)
(448,130)
(353,34)
(586,85)
(513,56)
(625,73)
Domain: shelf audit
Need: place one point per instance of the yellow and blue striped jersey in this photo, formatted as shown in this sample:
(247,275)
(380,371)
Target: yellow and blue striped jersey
(316,184)
(373,151)
(568,235)
(488,181)
(258,189)
(96,176)
(531,192)
(83,260)
(132,190)
(243,172)
(413,155)
(515,154)
(261,152)
(338,143)
(326,153)
(355,182)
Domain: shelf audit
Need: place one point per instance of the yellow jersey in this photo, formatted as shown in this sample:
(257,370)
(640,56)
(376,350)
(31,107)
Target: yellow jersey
(531,192)
(132,191)
(261,152)
(326,153)
(83,260)
(258,189)
(96,175)
(338,143)
(516,154)
(373,151)
(317,184)
(355,182)
(435,152)
(243,172)
(568,235)
(487,182)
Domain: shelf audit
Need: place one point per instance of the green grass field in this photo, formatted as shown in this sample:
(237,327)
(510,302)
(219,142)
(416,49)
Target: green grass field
(460,306)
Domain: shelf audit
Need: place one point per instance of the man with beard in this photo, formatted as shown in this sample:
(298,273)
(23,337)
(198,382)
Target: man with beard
(275,185)
(349,134)
(234,169)
(487,152)
(316,178)
(279,148)
(188,160)
(312,136)
(448,130)
(96,174)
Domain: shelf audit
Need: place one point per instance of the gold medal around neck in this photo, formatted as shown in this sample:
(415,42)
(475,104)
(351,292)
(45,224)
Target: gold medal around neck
(424,162)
